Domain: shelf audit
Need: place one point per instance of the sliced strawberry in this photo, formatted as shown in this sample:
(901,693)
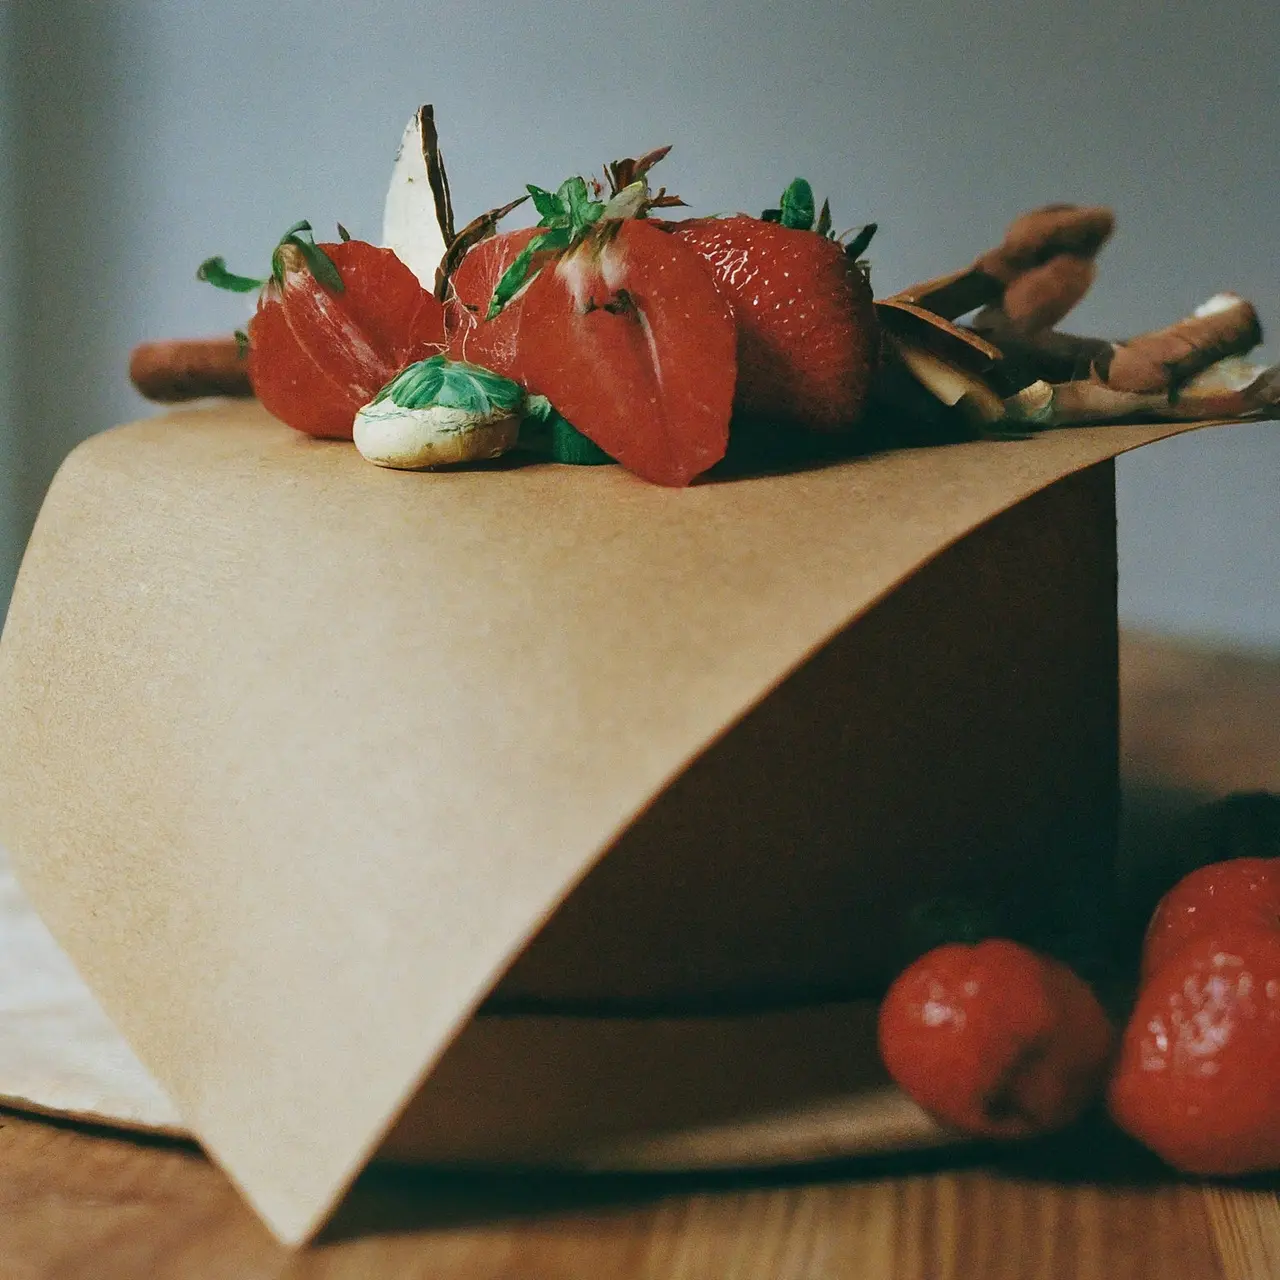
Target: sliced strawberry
(473,283)
(629,338)
(288,382)
(807,334)
(381,321)
(335,323)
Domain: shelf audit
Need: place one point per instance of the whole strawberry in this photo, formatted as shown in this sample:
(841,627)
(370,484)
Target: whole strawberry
(1223,897)
(808,341)
(1198,1078)
(995,1040)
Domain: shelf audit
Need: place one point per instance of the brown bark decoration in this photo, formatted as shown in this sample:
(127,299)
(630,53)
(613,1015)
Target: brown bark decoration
(169,372)
(1166,359)
(436,176)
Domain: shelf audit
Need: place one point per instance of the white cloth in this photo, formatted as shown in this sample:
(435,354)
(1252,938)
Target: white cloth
(59,1053)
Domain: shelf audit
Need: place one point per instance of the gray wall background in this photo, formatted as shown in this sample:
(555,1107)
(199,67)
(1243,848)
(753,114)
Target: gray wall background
(137,138)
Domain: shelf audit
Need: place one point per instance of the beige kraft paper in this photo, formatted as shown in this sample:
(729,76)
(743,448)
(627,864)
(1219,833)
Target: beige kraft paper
(299,754)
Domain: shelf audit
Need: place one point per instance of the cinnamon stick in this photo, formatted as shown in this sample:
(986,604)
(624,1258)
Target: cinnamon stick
(169,372)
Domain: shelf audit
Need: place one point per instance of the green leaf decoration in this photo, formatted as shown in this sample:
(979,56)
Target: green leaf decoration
(858,245)
(548,205)
(797,206)
(537,411)
(583,210)
(566,216)
(214,271)
(518,274)
(439,382)
(242,343)
(824,220)
(321,266)
(543,430)
(343,234)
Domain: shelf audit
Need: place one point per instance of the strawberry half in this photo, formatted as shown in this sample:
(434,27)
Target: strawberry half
(808,341)
(472,285)
(617,324)
(335,323)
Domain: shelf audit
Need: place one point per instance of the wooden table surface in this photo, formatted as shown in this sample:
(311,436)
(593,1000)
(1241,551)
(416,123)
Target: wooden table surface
(78,1203)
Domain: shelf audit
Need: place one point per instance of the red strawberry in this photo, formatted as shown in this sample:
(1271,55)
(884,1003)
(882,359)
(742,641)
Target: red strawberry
(995,1039)
(471,286)
(335,323)
(807,335)
(626,335)
(1198,1076)
(1219,898)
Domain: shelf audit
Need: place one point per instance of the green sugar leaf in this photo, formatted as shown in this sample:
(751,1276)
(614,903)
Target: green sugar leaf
(797,206)
(343,234)
(214,271)
(568,444)
(544,430)
(439,382)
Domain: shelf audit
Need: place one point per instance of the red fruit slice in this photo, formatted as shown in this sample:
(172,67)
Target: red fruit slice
(473,283)
(630,340)
(381,321)
(316,355)
(288,382)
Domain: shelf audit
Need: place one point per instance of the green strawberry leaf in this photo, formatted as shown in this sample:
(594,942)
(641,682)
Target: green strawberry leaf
(518,274)
(567,215)
(858,245)
(214,271)
(583,210)
(824,220)
(797,206)
(343,234)
(549,206)
(242,343)
(321,266)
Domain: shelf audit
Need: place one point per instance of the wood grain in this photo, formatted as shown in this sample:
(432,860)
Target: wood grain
(77,1204)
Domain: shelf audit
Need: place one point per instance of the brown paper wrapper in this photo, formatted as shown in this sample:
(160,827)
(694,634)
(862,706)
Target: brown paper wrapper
(302,755)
